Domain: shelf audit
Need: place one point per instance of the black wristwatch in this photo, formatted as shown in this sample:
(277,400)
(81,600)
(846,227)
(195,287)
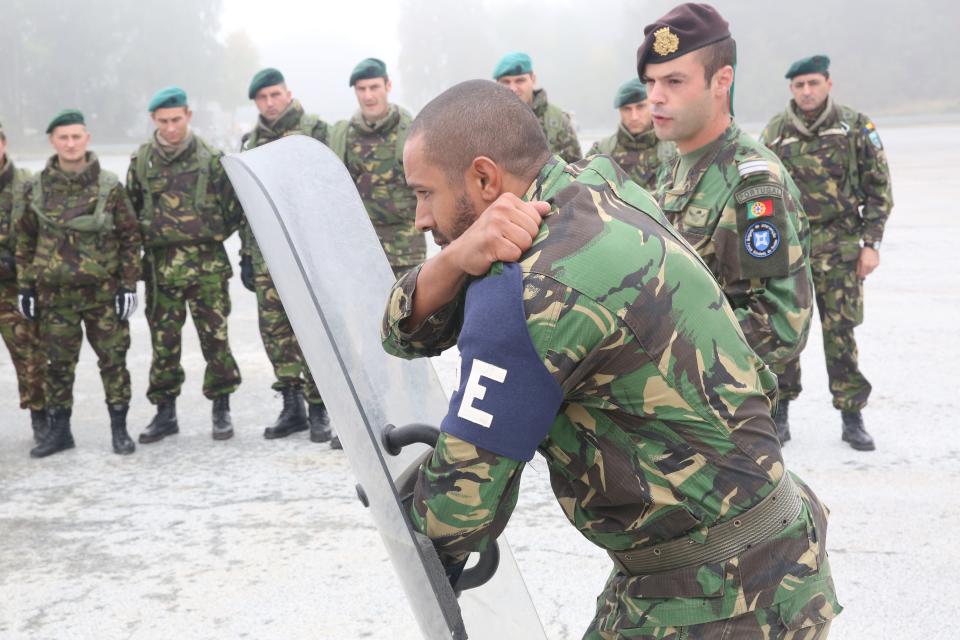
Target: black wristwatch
(872,245)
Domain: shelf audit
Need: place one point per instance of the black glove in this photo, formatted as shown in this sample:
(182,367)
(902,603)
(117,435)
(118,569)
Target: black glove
(27,303)
(246,272)
(126,303)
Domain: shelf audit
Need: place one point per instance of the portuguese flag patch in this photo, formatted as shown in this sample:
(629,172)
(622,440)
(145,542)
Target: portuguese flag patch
(759,208)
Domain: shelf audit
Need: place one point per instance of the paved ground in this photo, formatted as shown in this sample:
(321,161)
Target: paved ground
(191,538)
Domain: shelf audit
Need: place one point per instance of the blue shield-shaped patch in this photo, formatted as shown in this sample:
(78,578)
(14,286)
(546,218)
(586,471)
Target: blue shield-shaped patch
(761,240)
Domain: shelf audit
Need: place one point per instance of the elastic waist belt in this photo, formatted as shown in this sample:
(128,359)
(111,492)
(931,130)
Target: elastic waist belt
(759,523)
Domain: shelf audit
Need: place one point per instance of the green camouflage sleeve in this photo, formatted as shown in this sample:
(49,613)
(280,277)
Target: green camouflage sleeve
(435,334)
(128,236)
(26,245)
(321,132)
(874,180)
(465,494)
(567,145)
(227,200)
(132,185)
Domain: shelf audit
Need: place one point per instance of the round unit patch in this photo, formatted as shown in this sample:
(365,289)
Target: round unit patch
(761,239)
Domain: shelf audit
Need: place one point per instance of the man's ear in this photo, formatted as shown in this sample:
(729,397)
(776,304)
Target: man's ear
(487,178)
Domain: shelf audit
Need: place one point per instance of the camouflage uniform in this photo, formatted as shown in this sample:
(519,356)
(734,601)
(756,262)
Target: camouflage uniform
(735,198)
(658,428)
(77,244)
(558,127)
(644,157)
(279,341)
(21,336)
(373,153)
(186,208)
(839,164)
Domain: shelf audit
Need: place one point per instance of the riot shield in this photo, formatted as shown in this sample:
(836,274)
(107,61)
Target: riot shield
(333,278)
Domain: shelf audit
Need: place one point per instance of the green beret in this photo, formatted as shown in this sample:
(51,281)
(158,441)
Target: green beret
(264,78)
(65,117)
(813,64)
(166,98)
(629,92)
(685,28)
(515,63)
(368,69)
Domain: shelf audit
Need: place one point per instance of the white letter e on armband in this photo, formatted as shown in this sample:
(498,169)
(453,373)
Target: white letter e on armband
(476,391)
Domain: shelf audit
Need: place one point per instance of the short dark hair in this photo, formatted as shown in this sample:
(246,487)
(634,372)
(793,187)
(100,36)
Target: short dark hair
(481,118)
(718,55)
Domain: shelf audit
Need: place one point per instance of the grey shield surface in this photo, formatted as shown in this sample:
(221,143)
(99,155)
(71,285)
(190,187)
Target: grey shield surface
(333,278)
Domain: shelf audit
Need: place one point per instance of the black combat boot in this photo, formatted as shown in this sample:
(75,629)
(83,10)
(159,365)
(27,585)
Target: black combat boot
(122,443)
(163,424)
(854,433)
(335,443)
(39,420)
(222,424)
(319,423)
(782,420)
(57,437)
(292,418)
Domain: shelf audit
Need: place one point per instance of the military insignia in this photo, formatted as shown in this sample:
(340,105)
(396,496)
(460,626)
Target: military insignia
(762,239)
(759,209)
(759,191)
(750,167)
(665,41)
(872,135)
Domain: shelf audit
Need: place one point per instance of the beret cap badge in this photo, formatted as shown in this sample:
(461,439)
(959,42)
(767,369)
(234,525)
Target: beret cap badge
(665,41)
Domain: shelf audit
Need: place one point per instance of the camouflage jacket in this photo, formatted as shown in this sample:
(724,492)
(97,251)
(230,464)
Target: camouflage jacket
(839,164)
(13,183)
(186,208)
(644,157)
(630,375)
(741,211)
(77,229)
(558,127)
(291,122)
(373,153)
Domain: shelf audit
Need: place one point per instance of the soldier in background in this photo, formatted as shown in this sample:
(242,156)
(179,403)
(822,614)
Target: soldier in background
(281,115)
(727,194)
(515,71)
(186,208)
(635,146)
(835,156)
(20,335)
(78,254)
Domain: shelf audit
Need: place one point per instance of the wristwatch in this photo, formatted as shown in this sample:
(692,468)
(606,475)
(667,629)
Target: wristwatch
(872,245)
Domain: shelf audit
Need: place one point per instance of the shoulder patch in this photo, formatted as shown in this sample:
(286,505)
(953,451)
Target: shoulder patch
(759,191)
(871,132)
(762,238)
(751,167)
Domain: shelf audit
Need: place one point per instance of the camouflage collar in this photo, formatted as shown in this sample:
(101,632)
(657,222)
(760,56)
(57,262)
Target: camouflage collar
(540,103)
(382,126)
(286,121)
(549,181)
(6,172)
(681,191)
(87,176)
(637,142)
(826,118)
(168,153)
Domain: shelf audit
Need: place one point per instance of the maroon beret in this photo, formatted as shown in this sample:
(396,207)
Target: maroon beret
(687,27)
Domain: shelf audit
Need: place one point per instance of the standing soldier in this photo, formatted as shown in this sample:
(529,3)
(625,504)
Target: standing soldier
(635,146)
(728,195)
(186,208)
(20,336)
(281,115)
(371,146)
(515,71)
(78,250)
(836,158)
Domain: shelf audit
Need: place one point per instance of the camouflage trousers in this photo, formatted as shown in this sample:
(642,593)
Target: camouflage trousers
(22,338)
(839,294)
(61,313)
(762,624)
(209,303)
(280,342)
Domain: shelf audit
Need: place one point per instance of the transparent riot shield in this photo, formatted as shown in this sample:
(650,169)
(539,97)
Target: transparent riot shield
(333,278)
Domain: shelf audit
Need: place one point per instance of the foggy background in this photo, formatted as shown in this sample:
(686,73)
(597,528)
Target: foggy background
(107,57)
